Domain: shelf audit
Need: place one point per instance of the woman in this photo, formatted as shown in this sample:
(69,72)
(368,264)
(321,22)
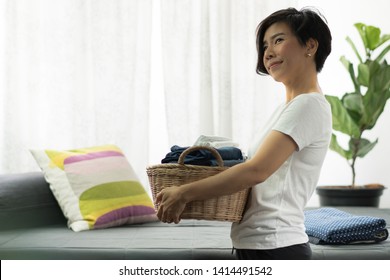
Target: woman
(286,157)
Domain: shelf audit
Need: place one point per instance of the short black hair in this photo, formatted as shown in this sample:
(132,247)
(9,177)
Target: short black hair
(305,24)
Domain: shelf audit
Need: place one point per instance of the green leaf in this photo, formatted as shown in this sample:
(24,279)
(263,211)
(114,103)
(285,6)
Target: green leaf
(370,35)
(364,147)
(354,102)
(349,66)
(361,28)
(382,54)
(373,37)
(375,69)
(345,62)
(334,146)
(384,39)
(363,74)
(342,121)
(374,100)
(374,107)
(354,49)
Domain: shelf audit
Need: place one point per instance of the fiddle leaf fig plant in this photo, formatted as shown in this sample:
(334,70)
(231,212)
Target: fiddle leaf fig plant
(358,110)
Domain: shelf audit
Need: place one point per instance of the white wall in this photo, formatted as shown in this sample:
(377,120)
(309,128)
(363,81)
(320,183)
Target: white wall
(374,168)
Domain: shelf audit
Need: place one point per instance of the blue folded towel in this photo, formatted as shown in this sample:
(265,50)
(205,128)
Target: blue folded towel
(333,226)
(230,156)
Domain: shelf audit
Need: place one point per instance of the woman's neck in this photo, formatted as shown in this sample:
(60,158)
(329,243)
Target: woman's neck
(309,86)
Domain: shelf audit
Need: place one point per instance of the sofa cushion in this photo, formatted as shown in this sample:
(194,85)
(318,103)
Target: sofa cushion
(191,239)
(95,187)
(26,201)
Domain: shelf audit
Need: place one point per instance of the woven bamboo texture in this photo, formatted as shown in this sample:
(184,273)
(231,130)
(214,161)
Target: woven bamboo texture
(228,208)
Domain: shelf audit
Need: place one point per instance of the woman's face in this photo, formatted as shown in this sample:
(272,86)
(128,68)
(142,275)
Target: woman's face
(284,57)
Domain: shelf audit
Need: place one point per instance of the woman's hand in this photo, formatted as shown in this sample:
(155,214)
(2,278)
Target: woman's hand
(171,205)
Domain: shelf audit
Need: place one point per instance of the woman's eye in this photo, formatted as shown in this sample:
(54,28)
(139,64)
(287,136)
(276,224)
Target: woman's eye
(278,40)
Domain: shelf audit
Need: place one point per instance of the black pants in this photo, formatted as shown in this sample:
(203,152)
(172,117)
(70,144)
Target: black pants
(294,252)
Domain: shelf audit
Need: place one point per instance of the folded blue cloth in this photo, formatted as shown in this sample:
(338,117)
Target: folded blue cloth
(332,226)
(230,156)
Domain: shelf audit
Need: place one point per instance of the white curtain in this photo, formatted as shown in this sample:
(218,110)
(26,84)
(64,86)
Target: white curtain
(73,73)
(209,61)
(77,73)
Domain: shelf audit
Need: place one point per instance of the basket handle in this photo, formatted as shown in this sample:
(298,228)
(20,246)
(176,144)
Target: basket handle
(213,151)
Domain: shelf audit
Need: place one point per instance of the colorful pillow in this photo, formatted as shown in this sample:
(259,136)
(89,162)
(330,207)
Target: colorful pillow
(95,187)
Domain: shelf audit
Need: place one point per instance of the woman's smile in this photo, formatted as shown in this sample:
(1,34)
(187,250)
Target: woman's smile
(274,65)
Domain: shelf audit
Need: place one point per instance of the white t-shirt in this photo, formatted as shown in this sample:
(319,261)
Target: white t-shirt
(274,216)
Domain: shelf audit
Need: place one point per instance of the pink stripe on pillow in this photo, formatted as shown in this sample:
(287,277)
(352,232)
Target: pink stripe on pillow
(98,166)
(123,214)
(89,156)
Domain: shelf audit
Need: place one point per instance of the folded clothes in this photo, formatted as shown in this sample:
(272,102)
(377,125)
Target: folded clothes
(332,226)
(229,155)
(215,141)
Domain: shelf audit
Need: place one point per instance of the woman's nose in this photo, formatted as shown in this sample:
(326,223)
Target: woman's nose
(268,53)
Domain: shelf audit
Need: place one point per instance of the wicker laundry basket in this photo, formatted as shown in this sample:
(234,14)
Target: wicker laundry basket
(224,208)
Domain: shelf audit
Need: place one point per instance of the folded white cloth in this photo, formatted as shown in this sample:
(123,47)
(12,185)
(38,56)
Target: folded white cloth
(215,141)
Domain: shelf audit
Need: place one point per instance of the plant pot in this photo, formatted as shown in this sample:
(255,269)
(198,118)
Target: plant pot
(367,195)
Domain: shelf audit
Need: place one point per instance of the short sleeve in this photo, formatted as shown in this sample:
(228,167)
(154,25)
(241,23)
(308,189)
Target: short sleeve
(306,119)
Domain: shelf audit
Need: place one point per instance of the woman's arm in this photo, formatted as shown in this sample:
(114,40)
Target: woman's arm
(274,151)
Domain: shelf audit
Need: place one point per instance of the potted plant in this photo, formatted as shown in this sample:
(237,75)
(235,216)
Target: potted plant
(358,111)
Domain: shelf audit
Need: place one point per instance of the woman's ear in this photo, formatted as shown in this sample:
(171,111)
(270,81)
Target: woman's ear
(311,47)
